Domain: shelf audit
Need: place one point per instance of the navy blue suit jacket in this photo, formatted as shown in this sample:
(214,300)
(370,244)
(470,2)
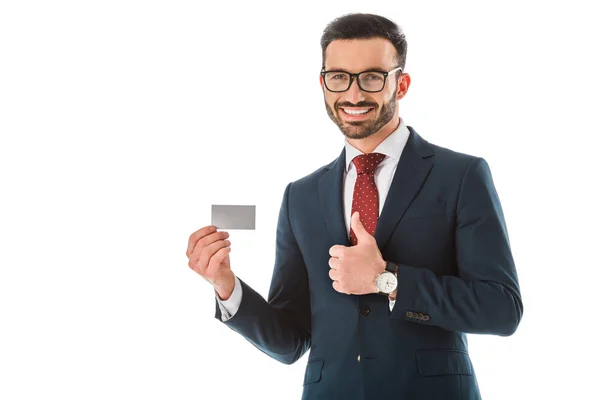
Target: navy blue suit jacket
(443,224)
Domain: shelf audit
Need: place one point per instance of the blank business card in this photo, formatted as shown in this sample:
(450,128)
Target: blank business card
(233,217)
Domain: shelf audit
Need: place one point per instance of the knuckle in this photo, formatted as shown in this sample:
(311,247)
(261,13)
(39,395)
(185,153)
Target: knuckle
(210,265)
(202,242)
(216,257)
(203,261)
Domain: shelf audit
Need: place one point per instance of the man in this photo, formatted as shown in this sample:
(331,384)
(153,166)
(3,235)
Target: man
(387,257)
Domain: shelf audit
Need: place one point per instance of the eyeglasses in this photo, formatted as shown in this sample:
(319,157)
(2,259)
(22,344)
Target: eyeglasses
(371,81)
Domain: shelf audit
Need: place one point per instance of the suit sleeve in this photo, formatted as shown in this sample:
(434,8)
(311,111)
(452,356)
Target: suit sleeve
(281,326)
(230,306)
(484,297)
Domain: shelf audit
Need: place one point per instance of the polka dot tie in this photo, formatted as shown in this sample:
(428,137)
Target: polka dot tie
(365,198)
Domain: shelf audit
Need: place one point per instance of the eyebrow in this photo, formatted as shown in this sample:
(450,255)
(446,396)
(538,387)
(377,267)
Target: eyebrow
(380,69)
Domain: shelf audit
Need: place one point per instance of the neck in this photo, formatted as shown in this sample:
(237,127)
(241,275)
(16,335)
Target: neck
(367,145)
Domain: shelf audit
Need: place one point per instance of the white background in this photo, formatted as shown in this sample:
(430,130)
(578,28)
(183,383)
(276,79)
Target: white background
(122,121)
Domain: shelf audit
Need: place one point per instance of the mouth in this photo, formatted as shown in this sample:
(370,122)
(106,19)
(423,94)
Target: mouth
(356,113)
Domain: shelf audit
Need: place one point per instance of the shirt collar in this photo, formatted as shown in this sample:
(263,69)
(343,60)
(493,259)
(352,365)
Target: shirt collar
(392,146)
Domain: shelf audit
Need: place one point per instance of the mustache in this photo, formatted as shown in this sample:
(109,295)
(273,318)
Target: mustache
(359,104)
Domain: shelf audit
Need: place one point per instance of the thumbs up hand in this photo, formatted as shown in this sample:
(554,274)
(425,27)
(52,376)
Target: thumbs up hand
(354,268)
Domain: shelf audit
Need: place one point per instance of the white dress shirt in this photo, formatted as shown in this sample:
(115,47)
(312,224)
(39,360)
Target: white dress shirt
(392,147)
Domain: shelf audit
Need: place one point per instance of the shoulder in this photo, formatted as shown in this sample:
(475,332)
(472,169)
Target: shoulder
(443,158)
(451,169)
(313,177)
(449,158)
(471,173)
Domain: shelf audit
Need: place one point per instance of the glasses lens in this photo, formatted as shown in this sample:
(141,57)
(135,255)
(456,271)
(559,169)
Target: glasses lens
(337,81)
(371,81)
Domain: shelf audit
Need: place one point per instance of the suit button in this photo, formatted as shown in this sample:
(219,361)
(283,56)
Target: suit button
(358,358)
(364,311)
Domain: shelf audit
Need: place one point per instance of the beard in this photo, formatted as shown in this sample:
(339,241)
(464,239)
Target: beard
(363,129)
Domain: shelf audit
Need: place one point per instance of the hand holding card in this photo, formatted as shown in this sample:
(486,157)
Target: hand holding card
(208,254)
(208,248)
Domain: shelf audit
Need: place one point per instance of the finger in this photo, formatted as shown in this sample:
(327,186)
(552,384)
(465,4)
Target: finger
(338,287)
(337,250)
(199,234)
(359,229)
(208,252)
(216,260)
(356,224)
(206,241)
(333,274)
(334,263)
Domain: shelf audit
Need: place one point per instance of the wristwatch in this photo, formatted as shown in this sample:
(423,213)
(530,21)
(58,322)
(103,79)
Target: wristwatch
(387,281)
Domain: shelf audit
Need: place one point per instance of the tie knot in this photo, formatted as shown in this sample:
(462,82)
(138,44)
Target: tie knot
(367,163)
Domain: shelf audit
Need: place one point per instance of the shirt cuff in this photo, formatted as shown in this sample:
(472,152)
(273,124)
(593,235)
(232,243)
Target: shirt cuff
(392,302)
(230,306)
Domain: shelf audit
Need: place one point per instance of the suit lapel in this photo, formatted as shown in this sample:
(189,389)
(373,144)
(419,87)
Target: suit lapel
(413,168)
(331,195)
(411,173)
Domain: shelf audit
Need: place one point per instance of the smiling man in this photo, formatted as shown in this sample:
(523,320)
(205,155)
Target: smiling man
(386,257)
(359,102)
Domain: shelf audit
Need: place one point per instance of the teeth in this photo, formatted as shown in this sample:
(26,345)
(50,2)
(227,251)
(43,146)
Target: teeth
(355,112)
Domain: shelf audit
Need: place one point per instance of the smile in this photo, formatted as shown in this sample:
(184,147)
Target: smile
(356,113)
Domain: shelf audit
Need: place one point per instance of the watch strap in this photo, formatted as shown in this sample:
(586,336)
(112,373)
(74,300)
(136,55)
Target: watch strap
(391,267)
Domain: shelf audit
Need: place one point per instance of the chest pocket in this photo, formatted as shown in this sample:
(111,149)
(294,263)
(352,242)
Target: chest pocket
(428,209)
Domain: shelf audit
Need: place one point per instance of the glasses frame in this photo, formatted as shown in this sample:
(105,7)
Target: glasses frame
(352,76)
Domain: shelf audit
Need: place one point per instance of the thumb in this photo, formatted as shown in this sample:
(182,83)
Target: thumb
(358,228)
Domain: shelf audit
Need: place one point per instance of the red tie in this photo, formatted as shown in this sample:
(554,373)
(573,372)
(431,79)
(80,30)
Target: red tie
(365,199)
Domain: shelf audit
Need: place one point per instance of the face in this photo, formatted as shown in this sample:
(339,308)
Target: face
(355,56)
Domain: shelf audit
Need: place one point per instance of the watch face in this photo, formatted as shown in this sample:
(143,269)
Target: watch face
(387,282)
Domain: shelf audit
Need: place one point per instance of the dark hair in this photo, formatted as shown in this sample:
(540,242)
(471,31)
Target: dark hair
(365,26)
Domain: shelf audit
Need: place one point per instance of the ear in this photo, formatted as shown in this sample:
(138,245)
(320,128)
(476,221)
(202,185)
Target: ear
(403,84)
(321,82)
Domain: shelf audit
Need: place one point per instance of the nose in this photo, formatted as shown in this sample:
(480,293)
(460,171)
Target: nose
(354,94)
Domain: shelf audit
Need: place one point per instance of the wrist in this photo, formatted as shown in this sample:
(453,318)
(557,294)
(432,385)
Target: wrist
(393,295)
(225,287)
(386,282)
(380,271)
(393,268)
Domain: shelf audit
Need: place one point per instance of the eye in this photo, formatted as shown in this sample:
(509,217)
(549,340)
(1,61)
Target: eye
(373,77)
(338,77)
